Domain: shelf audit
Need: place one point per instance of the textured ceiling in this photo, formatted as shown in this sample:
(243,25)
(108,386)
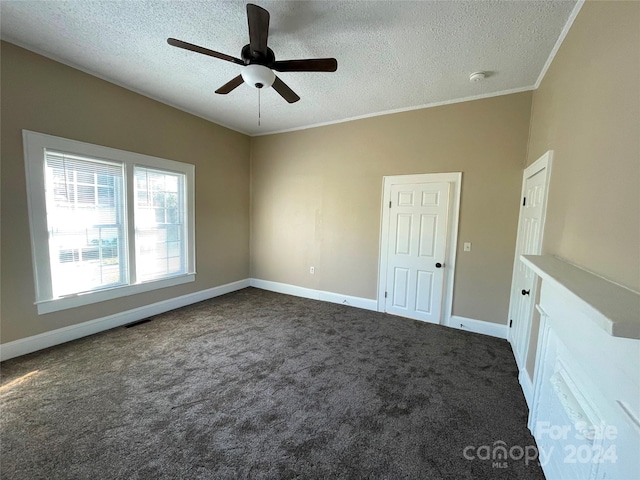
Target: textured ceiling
(391,55)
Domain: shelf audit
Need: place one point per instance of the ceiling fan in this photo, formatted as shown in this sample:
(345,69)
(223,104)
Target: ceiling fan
(259,61)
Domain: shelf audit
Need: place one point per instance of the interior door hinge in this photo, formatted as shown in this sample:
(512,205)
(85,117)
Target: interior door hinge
(385,294)
(510,323)
(389,203)
(524,201)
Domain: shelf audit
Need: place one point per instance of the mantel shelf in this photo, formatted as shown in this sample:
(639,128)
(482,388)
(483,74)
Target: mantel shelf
(614,308)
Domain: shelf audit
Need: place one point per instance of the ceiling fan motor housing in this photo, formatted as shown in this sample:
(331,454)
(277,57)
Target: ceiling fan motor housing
(260,58)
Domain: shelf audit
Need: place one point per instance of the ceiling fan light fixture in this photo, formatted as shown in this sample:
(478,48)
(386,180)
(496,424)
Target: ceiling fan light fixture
(258,76)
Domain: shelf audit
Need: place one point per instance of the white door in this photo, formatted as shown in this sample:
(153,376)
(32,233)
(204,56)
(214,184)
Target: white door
(529,242)
(417,241)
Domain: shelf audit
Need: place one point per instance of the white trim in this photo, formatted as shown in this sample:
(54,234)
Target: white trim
(358,302)
(455,179)
(544,162)
(96,296)
(582,377)
(539,368)
(614,308)
(35,148)
(287,289)
(461,323)
(527,387)
(73,332)
(497,330)
(556,47)
(399,110)
(34,343)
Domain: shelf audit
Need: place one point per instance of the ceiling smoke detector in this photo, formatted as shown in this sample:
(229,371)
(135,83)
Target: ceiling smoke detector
(477,76)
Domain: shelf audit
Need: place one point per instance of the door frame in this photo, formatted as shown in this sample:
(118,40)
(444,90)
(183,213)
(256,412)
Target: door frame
(542,163)
(453,215)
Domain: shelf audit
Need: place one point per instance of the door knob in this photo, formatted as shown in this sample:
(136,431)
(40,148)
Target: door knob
(439,265)
(525,292)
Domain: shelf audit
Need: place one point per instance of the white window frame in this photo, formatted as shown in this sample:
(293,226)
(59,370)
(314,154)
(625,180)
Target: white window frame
(35,145)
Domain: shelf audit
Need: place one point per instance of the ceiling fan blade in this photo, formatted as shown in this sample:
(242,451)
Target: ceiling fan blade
(229,86)
(284,91)
(309,65)
(205,51)
(258,28)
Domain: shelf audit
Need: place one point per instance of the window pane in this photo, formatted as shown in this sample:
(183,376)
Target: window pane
(86,176)
(172,215)
(85,222)
(173,249)
(105,180)
(173,233)
(86,194)
(106,196)
(159,213)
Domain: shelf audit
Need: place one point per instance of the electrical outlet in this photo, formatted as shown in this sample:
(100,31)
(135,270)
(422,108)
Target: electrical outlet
(312,270)
(467,246)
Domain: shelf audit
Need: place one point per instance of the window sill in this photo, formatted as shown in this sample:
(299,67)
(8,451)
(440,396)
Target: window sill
(64,303)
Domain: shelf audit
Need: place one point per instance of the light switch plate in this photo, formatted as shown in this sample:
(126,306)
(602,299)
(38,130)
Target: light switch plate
(467,246)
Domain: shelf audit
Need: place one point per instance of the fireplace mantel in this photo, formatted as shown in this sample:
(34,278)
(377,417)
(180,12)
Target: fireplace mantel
(585,413)
(615,309)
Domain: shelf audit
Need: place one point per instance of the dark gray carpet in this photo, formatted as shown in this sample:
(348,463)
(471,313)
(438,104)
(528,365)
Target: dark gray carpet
(256,384)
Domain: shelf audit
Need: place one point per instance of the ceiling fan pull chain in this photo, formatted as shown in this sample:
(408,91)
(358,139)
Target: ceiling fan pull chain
(258,107)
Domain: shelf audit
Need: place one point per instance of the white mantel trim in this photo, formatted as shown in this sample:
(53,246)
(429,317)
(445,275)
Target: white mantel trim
(613,308)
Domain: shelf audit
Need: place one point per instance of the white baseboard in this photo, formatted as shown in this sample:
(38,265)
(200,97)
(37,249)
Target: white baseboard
(527,386)
(73,332)
(461,323)
(62,335)
(285,288)
(359,302)
(479,326)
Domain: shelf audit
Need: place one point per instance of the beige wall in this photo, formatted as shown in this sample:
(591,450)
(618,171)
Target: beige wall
(44,96)
(587,110)
(316,197)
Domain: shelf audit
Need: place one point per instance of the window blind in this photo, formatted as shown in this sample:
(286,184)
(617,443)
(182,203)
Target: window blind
(85,220)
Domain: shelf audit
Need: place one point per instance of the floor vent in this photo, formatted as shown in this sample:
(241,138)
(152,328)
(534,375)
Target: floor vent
(139,322)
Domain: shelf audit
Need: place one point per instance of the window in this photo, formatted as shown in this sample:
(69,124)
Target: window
(85,221)
(160,245)
(105,223)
